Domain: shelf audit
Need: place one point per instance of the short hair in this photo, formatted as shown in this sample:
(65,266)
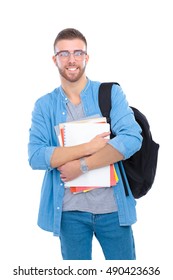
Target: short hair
(69,34)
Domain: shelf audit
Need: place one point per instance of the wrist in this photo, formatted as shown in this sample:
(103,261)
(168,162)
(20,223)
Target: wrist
(83,165)
(87,149)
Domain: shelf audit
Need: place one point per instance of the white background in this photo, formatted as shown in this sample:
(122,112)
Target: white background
(129,42)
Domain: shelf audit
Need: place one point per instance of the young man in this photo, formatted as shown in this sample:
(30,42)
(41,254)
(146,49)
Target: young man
(106,212)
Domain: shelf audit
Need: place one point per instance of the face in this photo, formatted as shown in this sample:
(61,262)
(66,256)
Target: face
(71,68)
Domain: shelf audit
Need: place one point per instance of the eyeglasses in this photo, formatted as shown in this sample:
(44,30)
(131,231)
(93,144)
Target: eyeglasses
(65,55)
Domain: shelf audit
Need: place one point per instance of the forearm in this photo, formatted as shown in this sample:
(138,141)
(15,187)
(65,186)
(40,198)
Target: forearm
(103,157)
(62,155)
(106,156)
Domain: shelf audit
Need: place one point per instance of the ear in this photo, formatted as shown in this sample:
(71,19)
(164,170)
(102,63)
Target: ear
(87,58)
(54,59)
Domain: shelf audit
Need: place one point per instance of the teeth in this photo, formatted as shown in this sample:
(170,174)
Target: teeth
(72,69)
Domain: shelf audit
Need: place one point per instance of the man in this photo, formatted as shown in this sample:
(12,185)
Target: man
(106,212)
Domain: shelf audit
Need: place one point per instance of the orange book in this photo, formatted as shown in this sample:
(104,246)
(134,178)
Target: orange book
(113,182)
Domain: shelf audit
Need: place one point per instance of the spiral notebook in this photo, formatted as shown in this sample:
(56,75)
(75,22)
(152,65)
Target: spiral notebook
(59,129)
(79,133)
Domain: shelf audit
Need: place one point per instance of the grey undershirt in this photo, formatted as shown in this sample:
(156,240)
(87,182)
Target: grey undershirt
(97,201)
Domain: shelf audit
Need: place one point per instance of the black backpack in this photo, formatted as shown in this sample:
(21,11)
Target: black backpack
(140,169)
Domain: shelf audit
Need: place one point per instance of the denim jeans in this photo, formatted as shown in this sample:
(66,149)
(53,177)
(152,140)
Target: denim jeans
(78,228)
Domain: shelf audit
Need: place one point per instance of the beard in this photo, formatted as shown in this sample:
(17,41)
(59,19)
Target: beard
(71,76)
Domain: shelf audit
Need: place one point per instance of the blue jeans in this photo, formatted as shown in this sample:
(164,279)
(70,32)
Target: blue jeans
(77,229)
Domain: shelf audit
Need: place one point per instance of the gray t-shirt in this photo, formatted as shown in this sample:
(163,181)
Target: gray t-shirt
(96,201)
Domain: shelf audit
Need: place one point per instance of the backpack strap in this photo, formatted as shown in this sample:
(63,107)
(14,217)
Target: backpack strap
(105,99)
(105,107)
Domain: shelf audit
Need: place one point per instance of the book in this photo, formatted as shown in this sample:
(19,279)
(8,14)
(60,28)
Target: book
(75,133)
(82,132)
(113,178)
(60,128)
(60,132)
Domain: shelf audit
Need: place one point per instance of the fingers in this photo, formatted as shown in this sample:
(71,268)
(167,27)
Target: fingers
(104,134)
(63,178)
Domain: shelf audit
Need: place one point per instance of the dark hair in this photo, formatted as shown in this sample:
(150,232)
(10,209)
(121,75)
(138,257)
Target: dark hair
(70,34)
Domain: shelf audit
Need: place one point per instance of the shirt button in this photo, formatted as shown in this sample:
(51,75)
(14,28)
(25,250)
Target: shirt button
(63,113)
(58,208)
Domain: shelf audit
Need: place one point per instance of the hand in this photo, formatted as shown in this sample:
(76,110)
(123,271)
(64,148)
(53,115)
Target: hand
(98,142)
(70,170)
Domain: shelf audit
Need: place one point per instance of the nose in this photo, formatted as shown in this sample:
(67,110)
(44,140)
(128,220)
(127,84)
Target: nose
(71,57)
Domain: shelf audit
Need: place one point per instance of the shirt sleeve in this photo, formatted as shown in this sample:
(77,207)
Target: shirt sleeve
(40,147)
(128,139)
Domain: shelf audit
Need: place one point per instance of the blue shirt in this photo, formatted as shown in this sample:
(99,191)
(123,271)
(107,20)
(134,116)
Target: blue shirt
(49,111)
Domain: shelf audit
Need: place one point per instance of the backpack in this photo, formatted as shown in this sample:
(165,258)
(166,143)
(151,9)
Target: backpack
(140,169)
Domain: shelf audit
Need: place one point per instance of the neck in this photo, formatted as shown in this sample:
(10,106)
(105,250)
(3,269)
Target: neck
(73,89)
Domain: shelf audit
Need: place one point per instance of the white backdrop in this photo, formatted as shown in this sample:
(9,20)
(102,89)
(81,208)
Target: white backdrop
(129,42)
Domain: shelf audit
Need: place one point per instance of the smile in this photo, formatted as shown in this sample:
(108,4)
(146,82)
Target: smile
(72,69)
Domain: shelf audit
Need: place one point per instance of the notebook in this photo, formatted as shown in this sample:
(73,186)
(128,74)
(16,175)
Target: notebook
(81,132)
(59,129)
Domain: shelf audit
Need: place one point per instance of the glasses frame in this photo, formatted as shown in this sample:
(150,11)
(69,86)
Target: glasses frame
(71,53)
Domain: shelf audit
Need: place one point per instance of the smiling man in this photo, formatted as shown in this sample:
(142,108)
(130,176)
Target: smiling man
(104,212)
(67,66)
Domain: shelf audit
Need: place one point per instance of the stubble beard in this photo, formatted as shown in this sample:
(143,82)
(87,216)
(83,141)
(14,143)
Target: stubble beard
(72,77)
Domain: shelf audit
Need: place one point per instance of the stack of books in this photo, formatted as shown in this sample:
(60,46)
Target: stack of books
(79,132)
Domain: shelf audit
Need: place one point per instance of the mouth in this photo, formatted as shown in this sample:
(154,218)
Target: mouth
(72,69)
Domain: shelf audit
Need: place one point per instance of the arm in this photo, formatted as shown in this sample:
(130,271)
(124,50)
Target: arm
(62,155)
(105,156)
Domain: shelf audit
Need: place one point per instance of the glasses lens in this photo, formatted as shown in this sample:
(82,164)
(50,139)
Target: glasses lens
(78,54)
(64,54)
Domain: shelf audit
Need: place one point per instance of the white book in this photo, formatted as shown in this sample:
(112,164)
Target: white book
(60,127)
(79,133)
